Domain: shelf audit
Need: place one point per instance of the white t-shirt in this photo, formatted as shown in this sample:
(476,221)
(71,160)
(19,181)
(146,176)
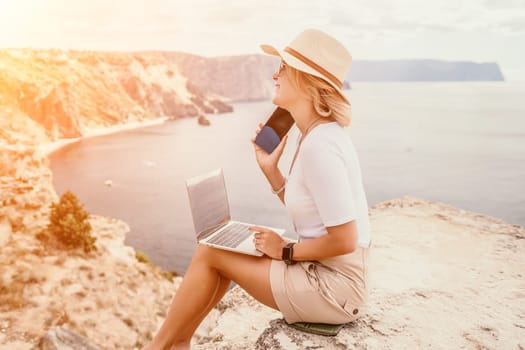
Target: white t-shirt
(325,186)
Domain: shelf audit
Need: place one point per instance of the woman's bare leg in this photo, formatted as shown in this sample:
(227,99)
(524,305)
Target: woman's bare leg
(187,334)
(204,284)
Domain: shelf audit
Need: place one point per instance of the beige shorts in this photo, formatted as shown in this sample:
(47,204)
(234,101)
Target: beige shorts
(331,290)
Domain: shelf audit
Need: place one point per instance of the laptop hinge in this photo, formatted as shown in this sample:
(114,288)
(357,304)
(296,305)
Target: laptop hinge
(206,233)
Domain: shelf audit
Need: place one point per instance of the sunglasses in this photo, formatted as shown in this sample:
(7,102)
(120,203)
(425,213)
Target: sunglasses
(282,66)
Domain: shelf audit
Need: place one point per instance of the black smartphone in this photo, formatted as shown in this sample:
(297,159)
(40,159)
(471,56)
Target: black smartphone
(274,129)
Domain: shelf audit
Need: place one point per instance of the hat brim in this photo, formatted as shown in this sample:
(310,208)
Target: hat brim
(296,63)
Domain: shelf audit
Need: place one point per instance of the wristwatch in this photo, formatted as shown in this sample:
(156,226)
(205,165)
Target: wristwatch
(288,254)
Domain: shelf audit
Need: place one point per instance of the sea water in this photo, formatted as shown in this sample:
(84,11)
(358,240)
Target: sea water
(458,143)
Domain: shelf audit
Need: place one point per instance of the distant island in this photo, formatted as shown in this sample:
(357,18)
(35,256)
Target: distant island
(424,70)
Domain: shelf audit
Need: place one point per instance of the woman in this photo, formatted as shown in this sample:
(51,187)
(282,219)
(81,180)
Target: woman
(322,278)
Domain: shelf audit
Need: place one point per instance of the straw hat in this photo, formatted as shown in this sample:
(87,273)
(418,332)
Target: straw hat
(319,54)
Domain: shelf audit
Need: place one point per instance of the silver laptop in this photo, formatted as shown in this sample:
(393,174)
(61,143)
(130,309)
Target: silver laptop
(211,216)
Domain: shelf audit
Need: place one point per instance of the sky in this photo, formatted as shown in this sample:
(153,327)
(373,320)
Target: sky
(452,30)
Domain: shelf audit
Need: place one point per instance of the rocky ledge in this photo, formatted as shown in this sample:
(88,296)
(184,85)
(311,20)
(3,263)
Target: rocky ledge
(440,277)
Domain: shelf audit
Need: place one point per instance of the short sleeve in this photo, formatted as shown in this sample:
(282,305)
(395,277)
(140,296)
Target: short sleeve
(327,178)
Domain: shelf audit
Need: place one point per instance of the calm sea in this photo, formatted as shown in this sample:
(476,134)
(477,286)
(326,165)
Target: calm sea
(459,143)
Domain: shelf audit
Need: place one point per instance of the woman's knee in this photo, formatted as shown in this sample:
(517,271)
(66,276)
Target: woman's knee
(205,254)
(218,259)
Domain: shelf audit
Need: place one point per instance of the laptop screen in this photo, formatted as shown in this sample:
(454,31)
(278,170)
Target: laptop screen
(208,201)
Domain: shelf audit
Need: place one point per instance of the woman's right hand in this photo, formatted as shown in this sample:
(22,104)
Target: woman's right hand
(268,162)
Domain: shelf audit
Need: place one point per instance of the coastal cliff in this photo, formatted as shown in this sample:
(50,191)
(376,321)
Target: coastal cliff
(108,296)
(238,78)
(50,94)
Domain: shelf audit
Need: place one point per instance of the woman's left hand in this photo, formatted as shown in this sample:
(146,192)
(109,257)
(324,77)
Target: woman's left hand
(268,242)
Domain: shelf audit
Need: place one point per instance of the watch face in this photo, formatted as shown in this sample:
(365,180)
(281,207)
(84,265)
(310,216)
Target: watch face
(288,254)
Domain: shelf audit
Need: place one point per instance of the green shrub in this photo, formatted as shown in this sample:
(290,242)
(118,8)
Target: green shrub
(142,257)
(69,225)
(169,275)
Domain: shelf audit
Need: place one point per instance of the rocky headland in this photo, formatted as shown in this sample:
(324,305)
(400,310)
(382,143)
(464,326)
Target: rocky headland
(46,95)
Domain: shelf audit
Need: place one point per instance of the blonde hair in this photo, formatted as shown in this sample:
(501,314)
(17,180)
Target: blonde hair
(326,100)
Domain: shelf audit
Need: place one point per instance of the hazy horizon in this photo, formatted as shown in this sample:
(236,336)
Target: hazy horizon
(475,30)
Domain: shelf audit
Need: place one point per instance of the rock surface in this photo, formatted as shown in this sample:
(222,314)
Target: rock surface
(63,338)
(26,189)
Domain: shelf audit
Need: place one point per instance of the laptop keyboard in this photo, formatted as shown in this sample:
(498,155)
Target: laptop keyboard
(232,236)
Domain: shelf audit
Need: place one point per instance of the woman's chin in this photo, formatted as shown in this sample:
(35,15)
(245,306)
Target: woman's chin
(276,101)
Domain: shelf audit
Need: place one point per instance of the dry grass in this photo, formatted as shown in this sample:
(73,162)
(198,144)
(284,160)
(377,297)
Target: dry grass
(12,296)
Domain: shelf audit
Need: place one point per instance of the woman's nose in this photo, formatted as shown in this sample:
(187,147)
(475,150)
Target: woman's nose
(275,76)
